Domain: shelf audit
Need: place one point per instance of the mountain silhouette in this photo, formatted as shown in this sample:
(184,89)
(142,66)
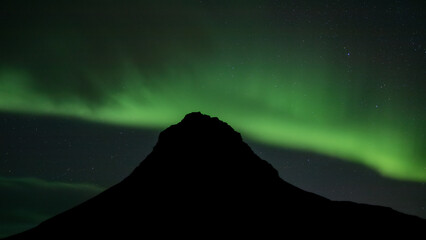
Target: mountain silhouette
(202,180)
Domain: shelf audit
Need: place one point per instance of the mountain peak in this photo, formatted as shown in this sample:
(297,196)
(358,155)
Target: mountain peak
(197,116)
(200,129)
(197,119)
(202,179)
(204,147)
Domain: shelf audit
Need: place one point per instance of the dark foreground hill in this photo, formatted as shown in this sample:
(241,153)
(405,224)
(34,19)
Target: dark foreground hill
(201,180)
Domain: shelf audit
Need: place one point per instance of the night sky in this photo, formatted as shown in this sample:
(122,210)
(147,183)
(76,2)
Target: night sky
(332,93)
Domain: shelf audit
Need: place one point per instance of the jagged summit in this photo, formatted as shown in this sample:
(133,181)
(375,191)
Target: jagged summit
(197,121)
(196,127)
(197,118)
(202,180)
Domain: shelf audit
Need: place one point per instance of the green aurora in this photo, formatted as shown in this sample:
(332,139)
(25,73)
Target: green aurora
(284,85)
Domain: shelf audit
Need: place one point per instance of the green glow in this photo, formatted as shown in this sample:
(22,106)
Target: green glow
(300,117)
(274,88)
(20,183)
(29,201)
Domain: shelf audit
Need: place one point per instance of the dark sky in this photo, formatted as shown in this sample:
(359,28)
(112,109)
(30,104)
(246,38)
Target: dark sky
(332,93)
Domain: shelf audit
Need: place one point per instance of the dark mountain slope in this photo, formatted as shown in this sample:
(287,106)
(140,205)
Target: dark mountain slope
(202,180)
